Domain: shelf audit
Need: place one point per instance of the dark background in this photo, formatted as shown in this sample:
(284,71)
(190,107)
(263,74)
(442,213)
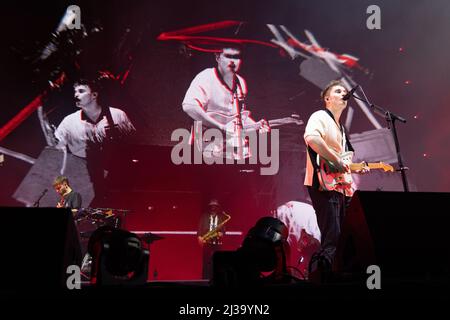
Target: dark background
(407,61)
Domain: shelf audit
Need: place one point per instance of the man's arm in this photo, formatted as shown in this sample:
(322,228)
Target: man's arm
(123,122)
(196,100)
(64,133)
(76,203)
(318,145)
(197,113)
(60,134)
(262,126)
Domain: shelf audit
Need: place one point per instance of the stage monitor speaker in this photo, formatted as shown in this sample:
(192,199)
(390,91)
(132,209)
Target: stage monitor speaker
(37,245)
(404,233)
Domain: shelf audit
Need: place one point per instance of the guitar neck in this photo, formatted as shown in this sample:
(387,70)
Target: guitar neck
(272,123)
(360,166)
(276,123)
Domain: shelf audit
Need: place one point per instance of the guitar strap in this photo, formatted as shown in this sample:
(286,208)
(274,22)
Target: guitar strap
(109,144)
(114,131)
(240,109)
(312,157)
(240,98)
(346,145)
(238,85)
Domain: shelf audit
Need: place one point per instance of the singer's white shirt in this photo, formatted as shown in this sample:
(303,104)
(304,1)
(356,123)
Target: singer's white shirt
(298,216)
(209,92)
(74,131)
(321,124)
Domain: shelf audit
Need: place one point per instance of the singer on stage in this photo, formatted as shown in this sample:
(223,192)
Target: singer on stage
(325,137)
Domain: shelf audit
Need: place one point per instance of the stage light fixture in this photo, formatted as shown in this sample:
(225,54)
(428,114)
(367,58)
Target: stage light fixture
(262,251)
(118,257)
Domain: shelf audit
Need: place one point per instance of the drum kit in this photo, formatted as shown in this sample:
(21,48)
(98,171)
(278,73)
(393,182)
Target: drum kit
(93,223)
(88,220)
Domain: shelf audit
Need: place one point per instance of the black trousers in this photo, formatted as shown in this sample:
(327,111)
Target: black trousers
(330,209)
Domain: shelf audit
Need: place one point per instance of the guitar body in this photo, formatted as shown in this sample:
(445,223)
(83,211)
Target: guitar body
(231,144)
(330,178)
(235,144)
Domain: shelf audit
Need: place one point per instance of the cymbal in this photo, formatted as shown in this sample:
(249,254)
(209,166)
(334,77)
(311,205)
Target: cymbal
(149,237)
(97,215)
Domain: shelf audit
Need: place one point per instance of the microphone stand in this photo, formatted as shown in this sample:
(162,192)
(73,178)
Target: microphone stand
(36,204)
(391,118)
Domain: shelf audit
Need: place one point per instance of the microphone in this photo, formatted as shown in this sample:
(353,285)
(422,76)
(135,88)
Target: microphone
(64,24)
(350,93)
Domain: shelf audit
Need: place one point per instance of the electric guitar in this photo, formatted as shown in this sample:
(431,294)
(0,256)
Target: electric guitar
(330,178)
(235,144)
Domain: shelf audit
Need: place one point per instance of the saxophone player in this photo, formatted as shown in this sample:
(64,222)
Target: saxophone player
(210,232)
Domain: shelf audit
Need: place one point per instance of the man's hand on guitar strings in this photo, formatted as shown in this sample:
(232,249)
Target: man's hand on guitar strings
(263,126)
(365,168)
(341,166)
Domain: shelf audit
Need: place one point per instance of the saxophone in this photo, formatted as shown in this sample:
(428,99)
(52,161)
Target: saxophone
(213,233)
